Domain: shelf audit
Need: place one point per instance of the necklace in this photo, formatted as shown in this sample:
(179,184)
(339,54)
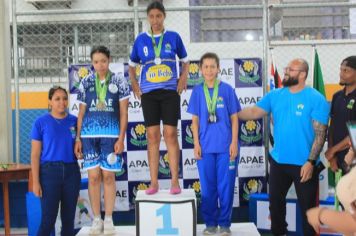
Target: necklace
(59,120)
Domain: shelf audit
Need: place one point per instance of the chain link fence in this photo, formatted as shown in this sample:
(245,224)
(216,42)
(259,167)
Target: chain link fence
(53,34)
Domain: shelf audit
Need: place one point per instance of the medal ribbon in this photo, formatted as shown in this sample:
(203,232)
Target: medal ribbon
(156,48)
(101,89)
(211,102)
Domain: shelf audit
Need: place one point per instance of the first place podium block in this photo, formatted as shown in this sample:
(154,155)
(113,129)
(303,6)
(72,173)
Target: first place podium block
(166,214)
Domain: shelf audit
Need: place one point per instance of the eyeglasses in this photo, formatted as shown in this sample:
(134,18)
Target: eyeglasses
(285,69)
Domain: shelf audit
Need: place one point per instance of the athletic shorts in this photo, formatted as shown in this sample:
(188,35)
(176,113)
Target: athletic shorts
(161,104)
(96,152)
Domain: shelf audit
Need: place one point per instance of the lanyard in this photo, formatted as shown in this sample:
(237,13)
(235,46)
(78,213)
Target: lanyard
(101,89)
(156,48)
(211,102)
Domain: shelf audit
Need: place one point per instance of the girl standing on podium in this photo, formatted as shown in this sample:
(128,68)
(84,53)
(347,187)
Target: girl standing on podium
(159,89)
(102,124)
(214,107)
(55,171)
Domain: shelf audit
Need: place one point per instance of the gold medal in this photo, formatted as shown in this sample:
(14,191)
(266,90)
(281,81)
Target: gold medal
(100,106)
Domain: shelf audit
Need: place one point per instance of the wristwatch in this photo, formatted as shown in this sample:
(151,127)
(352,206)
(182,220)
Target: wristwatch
(313,162)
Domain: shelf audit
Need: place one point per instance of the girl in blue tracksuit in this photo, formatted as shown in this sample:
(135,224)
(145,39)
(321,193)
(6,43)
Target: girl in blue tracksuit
(214,107)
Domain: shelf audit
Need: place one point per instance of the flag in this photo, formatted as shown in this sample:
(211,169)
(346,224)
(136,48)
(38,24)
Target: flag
(277,82)
(318,82)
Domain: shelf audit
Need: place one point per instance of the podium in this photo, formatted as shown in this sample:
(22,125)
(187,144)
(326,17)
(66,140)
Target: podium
(166,214)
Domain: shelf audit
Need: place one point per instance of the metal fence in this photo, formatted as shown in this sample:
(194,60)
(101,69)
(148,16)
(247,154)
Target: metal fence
(49,35)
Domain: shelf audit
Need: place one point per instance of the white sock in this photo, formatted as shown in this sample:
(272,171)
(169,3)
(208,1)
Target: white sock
(108,217)
(97,217)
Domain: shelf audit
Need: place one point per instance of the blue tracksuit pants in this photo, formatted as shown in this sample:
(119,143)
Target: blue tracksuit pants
(217,181)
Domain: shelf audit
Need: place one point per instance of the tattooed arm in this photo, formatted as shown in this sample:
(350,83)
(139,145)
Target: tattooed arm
(306,172)
(319,139)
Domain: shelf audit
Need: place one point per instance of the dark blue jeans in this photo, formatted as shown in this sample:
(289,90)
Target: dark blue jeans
(60,183)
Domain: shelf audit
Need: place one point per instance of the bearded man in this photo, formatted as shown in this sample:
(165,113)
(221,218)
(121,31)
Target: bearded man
(300,114)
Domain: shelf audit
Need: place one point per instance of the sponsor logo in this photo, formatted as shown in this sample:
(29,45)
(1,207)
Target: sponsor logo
(83,72)
(226,71)
(249,100)
(189,134)
(167,48)
(159,73)
(227,74)
(138,135)
(73,131)
(350,105)
(113,88)
(299,110)
(252,186)
(164,165)
(220,102)
(138,163)
(78,75)
(122,193)
(251,131)
(197,190)
(185,104)
(251,160)
(133,189)
(194,76)
(107,108)
(190,162)
(121,162)
(135,105)
(248,71)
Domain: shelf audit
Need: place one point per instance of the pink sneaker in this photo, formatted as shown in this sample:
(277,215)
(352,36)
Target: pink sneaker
(175,190)
(151,190)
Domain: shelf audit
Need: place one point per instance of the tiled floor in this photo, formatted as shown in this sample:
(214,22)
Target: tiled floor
(15,231)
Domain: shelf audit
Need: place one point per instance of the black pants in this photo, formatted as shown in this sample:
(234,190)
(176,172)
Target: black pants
(281,178)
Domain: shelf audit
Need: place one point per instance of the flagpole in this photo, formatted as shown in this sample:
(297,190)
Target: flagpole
(312,63)
(272,60)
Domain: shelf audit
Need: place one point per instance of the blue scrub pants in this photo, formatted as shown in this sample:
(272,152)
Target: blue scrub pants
(217,183)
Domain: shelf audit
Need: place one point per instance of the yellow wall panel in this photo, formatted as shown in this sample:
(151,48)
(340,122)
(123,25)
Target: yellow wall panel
(31,100)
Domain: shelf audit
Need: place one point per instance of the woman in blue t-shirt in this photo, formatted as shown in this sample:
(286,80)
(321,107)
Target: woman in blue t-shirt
(159,88)
(55,171)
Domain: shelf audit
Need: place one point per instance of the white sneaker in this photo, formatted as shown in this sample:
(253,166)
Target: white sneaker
(109,228)
(96,227)
(210,230)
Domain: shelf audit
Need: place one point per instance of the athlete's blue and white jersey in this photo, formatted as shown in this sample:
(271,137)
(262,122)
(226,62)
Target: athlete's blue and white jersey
(105,122)
(164,75)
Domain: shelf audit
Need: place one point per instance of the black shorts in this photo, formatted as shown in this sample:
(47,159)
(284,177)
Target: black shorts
(161,104)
